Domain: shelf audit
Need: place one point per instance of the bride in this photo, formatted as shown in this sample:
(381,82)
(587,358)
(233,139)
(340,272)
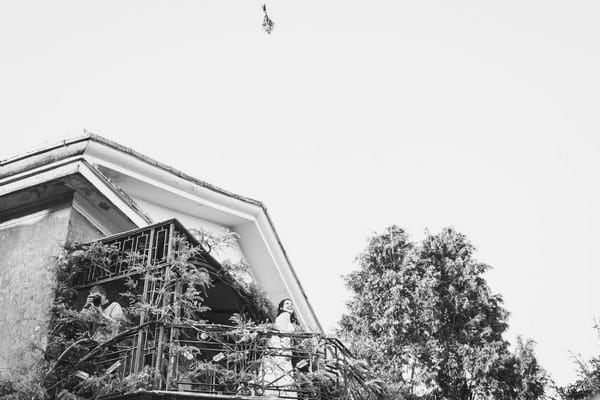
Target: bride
(277,367)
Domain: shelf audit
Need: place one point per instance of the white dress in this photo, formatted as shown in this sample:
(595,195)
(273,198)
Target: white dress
(277,367)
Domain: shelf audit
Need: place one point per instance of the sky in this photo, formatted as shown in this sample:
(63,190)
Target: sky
(351,116)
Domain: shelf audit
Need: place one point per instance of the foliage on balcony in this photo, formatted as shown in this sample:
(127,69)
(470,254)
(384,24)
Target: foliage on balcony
(168,344)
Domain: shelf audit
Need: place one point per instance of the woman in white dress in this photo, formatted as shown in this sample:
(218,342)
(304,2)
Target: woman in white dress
(277,367)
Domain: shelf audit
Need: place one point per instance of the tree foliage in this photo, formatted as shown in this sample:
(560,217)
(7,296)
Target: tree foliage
(587,386)
(424,316)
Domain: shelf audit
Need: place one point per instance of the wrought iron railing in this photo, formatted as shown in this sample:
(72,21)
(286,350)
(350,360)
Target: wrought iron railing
(153,245)
(230,360)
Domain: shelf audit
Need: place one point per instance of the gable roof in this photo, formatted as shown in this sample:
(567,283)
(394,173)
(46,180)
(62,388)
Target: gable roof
(124,175)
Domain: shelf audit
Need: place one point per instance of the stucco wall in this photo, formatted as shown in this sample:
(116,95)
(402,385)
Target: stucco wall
(28,247)
(28,250)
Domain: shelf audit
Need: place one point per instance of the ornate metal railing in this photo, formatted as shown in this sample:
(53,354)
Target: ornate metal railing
(153,245)
(226,360)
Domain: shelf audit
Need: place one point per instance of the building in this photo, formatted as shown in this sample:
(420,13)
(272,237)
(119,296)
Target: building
(90,189)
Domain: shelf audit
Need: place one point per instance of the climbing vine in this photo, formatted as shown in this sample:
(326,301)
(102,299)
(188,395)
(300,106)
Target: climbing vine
(168,300)
(177,296)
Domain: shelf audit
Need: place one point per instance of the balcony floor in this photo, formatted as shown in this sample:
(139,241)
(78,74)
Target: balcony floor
(175,395)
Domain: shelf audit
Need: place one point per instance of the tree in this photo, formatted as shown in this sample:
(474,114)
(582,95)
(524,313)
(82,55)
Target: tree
(533,379)
(587,386)
(425,318)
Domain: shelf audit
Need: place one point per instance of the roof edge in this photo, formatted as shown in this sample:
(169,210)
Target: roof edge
(124,149)
(119,192)
(172,170)
(45,149)
(292,269)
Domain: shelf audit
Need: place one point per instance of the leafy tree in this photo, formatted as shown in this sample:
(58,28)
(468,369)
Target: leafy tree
(587,386)
(533,378)
(425,318)
(377,327)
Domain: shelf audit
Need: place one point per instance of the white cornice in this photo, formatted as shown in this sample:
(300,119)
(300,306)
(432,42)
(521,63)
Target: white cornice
(178,186)
(62,168)
(94,178)
(39,175)
(291,281)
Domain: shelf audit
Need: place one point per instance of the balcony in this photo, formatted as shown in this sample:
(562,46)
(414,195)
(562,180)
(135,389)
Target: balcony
(209,359)
(218,350)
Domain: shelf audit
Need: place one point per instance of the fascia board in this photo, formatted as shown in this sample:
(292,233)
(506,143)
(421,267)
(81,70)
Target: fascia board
(172,188)
(46,155)
(101,142)
(286,272)
(62,168)
(98,181)
(39,175)
(148,170)
(185,189)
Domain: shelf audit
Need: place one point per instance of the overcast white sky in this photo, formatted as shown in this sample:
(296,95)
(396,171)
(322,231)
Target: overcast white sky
(351,116)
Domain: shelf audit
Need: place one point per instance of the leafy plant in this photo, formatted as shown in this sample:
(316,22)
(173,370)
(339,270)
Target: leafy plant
(175,296)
